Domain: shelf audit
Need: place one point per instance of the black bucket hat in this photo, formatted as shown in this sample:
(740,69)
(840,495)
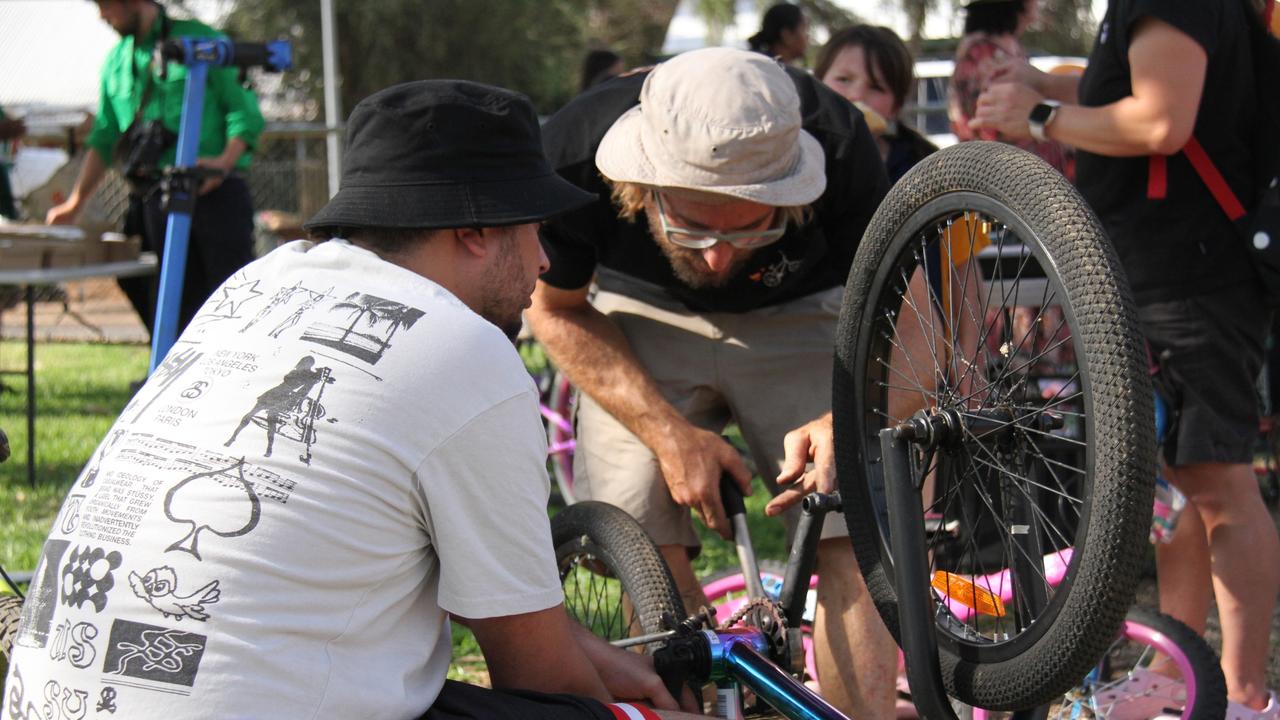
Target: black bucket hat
(445,154)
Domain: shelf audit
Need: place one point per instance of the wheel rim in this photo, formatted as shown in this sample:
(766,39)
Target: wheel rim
(1143,673)
(594,596)
(948,344)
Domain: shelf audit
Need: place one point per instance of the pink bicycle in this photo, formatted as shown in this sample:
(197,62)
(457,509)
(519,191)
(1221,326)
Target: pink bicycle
(555,403)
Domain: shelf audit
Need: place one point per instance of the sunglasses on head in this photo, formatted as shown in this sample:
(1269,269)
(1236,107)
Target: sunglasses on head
(703,239)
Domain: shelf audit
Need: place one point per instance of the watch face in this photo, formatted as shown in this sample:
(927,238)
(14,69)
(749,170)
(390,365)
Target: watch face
(1041,113)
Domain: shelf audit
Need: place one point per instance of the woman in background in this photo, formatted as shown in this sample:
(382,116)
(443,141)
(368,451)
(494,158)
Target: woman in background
(992,29)
(784,34)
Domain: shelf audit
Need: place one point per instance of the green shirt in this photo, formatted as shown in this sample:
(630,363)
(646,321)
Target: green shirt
(230,109)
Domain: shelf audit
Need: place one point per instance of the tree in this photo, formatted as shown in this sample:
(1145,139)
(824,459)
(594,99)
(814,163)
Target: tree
(916,12)
(1066,28)
(635,29)
(532,47)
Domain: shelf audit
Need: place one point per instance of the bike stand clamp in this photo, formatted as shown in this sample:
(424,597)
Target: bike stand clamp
(911,575)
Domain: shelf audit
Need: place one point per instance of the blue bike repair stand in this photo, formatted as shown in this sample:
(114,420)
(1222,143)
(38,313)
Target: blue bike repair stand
(182,183)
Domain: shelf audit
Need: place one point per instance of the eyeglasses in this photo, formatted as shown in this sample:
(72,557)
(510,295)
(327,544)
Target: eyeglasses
(703,239)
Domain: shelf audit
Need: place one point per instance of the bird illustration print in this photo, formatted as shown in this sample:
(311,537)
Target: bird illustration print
(159,589)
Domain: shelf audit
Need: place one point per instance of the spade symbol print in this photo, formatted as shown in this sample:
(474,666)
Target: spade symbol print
(220,501)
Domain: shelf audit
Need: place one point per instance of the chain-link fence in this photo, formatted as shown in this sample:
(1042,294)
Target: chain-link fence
(290,169)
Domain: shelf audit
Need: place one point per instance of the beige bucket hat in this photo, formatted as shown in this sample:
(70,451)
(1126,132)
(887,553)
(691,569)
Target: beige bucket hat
(721,121)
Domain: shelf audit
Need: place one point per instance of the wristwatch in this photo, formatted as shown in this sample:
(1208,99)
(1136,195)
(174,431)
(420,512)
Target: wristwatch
(1041,115)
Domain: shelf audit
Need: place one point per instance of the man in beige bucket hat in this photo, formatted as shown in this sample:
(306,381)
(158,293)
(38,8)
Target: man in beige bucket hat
(733,193)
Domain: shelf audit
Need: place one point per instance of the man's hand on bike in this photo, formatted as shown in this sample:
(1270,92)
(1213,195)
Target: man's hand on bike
(692,465)
(810,443)
(630,677)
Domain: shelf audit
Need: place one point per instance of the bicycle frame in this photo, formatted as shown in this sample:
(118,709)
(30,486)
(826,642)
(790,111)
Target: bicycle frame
(733,659)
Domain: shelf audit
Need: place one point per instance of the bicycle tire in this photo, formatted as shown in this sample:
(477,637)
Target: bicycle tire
(603,554)
(1159,639)
(560,401)
(1030,213)
(10,616)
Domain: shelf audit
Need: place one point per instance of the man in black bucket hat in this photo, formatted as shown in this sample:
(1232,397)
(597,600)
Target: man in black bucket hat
(342,452)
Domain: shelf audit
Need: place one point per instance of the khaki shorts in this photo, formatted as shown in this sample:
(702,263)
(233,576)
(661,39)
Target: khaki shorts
(769,370)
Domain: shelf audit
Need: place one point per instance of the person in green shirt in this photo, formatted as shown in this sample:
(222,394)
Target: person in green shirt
(133,91)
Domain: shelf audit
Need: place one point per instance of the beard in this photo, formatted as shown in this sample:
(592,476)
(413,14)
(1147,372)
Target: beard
(506,292)
(689,267)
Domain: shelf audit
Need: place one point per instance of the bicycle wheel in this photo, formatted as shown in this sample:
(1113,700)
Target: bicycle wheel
(10,615)
(615,580)
(986,305)
(558,415)
(1156,667)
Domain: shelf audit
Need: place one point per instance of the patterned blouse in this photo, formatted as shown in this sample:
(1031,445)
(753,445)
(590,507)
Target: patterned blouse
(975,60)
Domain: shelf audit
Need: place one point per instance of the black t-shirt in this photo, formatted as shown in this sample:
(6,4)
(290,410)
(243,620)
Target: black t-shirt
(806,260)
(1183,244)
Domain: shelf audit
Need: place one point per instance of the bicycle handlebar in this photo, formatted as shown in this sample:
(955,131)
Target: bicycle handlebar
(731,496)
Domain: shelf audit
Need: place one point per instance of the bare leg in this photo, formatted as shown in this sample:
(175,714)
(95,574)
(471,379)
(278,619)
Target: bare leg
(1244,558)
(1182,572)
(677,557)
(856,657)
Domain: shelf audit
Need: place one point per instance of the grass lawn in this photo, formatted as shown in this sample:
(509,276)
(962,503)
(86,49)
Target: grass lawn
(81,388)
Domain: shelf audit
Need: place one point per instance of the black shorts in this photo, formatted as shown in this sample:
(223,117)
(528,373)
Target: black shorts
(1209,351)
(460,701)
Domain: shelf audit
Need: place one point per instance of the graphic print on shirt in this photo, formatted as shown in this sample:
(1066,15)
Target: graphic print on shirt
(292,408)
(296,294)
(380,316)
(70,515)
(227,301)
(170,371)
(88,576)
(73,642)
(59,703)
(107,701)
(159,589)
(153,655)
(220,501)
(143,468)
(42,596)
(772,275)
(91,472)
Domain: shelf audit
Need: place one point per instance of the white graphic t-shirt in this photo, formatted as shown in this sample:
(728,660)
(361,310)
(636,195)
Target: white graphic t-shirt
(335,454)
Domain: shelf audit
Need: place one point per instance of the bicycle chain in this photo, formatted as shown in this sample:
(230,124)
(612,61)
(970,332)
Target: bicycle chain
(777,633)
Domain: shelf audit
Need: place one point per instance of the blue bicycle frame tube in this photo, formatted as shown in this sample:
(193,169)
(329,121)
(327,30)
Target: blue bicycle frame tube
(738,654)
(178,229)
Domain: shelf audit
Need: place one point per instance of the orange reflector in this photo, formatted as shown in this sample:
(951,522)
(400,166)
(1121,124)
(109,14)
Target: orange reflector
(963,591)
